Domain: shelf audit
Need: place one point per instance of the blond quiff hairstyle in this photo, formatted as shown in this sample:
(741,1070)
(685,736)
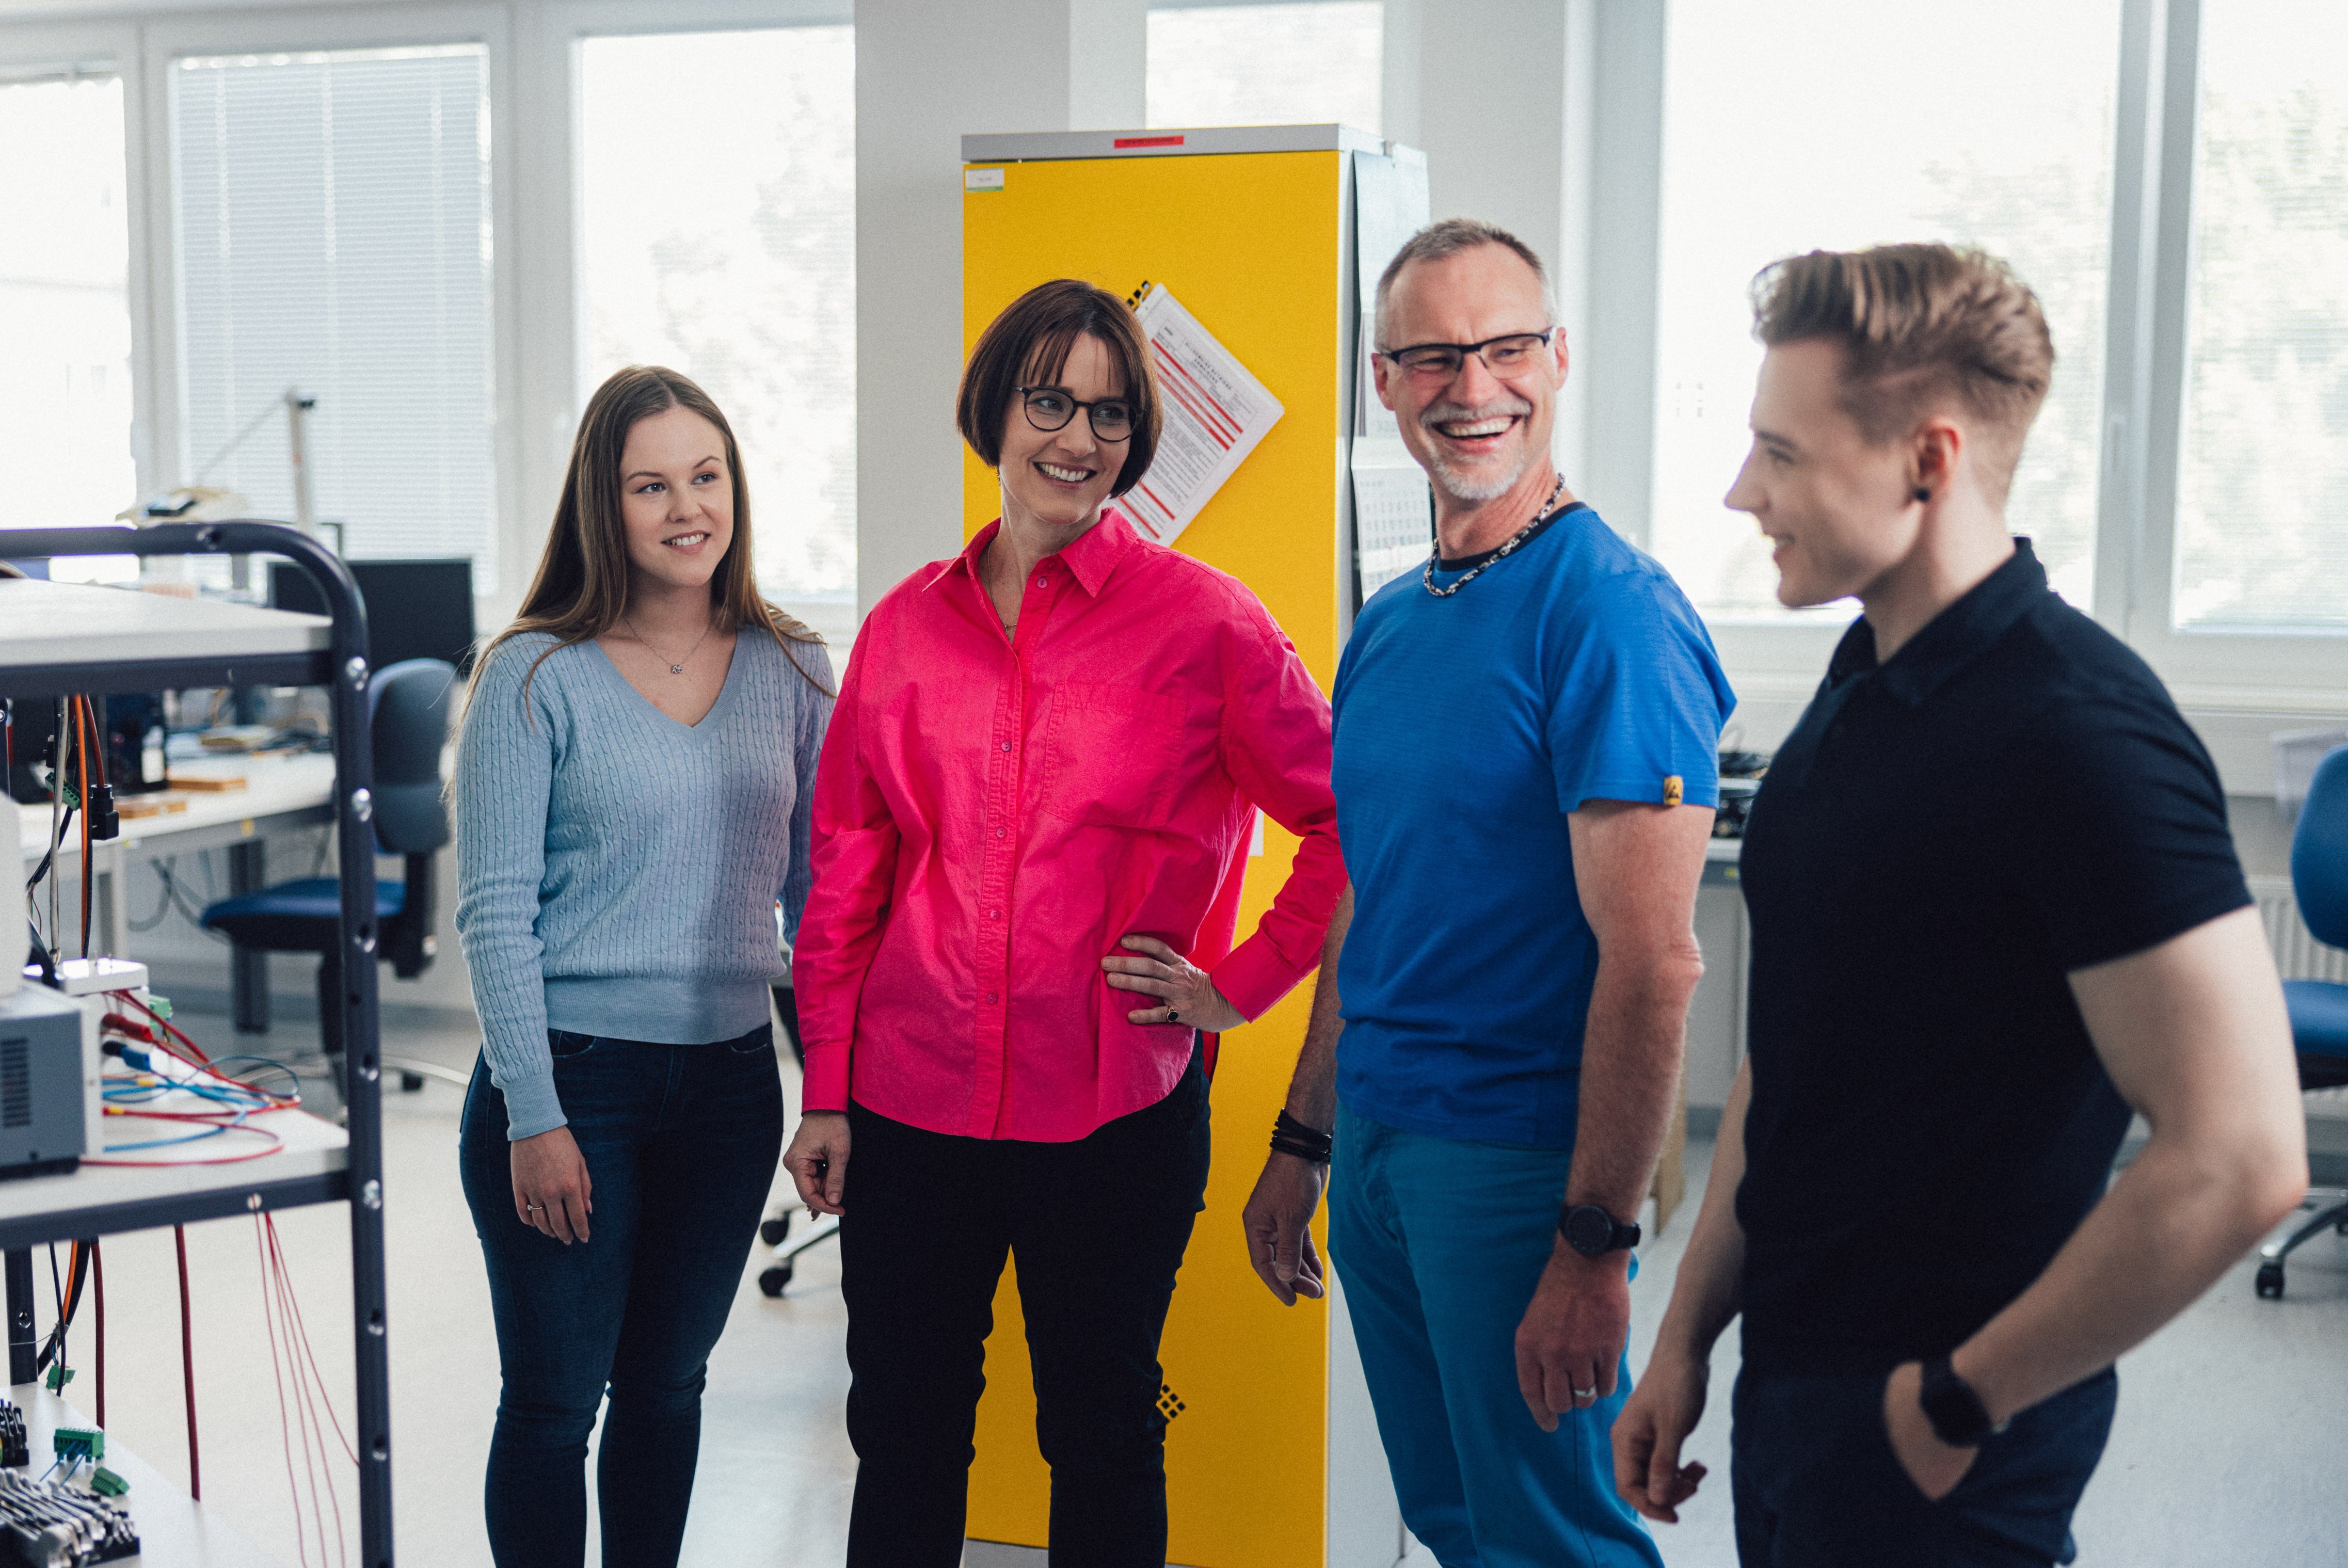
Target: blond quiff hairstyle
(1921,325)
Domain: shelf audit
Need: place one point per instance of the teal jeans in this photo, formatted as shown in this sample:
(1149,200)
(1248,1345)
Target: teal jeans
(1438,1243)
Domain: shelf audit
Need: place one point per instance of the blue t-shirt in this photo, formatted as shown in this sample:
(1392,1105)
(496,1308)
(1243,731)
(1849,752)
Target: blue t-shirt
(1467,727)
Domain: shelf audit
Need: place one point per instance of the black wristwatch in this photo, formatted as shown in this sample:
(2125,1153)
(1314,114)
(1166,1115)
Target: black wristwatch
(1959,1418)
(1594,1233)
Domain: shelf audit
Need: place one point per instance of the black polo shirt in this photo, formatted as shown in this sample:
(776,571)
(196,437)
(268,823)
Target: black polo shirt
(1941,841)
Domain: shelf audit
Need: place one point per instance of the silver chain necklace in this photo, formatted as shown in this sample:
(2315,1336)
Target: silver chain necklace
(677,667)
(1427,577)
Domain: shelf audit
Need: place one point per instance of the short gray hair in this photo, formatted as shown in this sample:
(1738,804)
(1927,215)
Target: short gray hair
(1449,238)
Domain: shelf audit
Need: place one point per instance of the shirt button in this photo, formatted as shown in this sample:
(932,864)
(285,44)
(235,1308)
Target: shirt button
(990,996)
(998,832)
(1006,746)
(994,914)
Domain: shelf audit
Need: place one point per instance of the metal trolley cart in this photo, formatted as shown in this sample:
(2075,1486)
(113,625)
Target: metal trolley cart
(59,639)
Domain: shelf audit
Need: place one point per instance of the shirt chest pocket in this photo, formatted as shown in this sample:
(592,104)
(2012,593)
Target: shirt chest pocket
(1109,755)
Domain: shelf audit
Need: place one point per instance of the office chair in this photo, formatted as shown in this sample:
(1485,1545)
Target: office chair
(774,1230)
(407,708)
(2319,1008)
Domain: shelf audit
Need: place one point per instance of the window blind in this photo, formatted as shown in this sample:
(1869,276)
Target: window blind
(334,236)
(1302,63)
(2265,457)
(64,304)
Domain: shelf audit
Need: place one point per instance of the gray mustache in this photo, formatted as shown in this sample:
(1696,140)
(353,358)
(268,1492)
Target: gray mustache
(1458,413)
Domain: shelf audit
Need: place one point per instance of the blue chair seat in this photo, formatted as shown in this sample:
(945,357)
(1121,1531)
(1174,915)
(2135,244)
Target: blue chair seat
(2318,1031)
(295,916)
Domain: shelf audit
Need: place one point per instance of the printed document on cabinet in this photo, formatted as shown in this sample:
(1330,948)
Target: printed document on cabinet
(1216,412)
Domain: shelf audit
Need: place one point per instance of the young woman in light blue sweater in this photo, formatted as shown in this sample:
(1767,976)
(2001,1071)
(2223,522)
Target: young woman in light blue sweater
(631,798)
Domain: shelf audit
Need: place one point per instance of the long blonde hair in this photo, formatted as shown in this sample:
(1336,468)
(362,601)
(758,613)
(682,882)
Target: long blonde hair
(581,585)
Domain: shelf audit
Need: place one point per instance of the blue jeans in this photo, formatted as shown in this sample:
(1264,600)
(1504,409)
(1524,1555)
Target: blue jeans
(1818,1486)
(1438,1243)
(680,1143)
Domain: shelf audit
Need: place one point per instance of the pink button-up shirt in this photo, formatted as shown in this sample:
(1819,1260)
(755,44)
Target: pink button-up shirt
(992,814)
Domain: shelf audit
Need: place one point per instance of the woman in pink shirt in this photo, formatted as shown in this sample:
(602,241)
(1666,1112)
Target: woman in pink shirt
(1031,819)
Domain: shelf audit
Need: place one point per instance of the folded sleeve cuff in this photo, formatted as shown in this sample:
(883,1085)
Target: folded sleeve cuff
(533,1107)
(1254,977)
(825,1085)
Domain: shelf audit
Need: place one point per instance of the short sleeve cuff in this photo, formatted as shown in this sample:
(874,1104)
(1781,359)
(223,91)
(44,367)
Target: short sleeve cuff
(533,1107)
(1254,977)
(824,1084)
(1696,788)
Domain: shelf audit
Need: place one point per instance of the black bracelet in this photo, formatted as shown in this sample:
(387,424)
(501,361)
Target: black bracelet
(1289,1136)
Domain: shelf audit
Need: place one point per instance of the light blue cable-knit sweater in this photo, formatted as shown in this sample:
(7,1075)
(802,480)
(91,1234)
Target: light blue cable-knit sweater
(617,872)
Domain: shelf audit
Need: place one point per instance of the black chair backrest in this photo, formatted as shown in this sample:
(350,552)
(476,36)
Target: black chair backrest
(410,702)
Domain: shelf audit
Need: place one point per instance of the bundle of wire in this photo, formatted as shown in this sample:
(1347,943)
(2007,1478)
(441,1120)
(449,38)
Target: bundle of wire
(310,1413)
(169,1079)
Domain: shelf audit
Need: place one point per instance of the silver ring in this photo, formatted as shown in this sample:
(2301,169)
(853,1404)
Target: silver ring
(535,1208)
(1585,1393)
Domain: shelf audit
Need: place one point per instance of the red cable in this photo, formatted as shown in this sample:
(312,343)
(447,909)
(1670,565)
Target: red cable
(313,1436)
(188,1365)
(285,1420)
(97,1269)
(304,1329)
(168,1028)
(81,760)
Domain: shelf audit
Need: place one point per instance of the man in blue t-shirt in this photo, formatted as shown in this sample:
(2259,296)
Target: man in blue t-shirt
(1526,771)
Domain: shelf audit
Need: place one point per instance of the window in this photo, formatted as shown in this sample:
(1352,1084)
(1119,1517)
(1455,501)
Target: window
(2260,540)
(1833,124)
(718,238)
(64,304)
(1303,64)
(334,237)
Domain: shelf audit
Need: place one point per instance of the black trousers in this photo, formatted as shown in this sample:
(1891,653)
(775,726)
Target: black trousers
(1098,1227)
(1818,1486)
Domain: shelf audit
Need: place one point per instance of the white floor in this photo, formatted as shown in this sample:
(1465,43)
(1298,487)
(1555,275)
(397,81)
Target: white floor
(2229,1448)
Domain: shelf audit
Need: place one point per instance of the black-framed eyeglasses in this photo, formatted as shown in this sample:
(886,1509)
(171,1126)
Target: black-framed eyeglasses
(1051,408)
(1507,355)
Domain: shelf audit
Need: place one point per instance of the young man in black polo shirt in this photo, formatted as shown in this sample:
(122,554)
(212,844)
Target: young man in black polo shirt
(1994,906)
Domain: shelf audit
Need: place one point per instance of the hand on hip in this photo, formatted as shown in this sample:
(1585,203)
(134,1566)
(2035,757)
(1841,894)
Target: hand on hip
(1182,990)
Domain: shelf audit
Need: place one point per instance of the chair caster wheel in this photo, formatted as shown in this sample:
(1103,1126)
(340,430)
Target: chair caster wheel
(2271,1281)
(772,1231)
(410,1083)
(772,1281)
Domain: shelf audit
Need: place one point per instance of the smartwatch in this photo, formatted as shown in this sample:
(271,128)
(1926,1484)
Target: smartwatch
(1594,1233)
(1958,1417)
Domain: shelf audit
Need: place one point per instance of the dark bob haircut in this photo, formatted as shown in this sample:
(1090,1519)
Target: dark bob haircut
(1028,345)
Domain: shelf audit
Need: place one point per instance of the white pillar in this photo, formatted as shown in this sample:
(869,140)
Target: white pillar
(927,73)
(1506,98)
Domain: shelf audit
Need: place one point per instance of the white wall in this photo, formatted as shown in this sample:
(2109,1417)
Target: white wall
(927,73)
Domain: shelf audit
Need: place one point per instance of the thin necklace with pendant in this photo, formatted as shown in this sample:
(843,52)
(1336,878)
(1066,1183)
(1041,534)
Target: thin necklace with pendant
(677,667)
(1427,577)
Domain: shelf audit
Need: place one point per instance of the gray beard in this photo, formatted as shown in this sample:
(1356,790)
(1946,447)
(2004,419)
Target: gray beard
(1461,487)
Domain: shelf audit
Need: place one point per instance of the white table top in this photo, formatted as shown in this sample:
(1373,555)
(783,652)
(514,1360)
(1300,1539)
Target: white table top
(274,785)
(173,1528)
(46,623)
(313,1148)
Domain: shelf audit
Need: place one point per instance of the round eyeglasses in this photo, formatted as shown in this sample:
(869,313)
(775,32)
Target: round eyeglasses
(1051,408)
(1509,355)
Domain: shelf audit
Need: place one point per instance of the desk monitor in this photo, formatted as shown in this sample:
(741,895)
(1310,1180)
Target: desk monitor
(416,609)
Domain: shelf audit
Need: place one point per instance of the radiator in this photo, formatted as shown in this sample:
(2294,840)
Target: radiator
(2300,957)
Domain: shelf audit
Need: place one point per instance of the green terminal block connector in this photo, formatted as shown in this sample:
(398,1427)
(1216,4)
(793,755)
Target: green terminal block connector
(106,1483)
(161,1005)
(79,1443)
(59,1376)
